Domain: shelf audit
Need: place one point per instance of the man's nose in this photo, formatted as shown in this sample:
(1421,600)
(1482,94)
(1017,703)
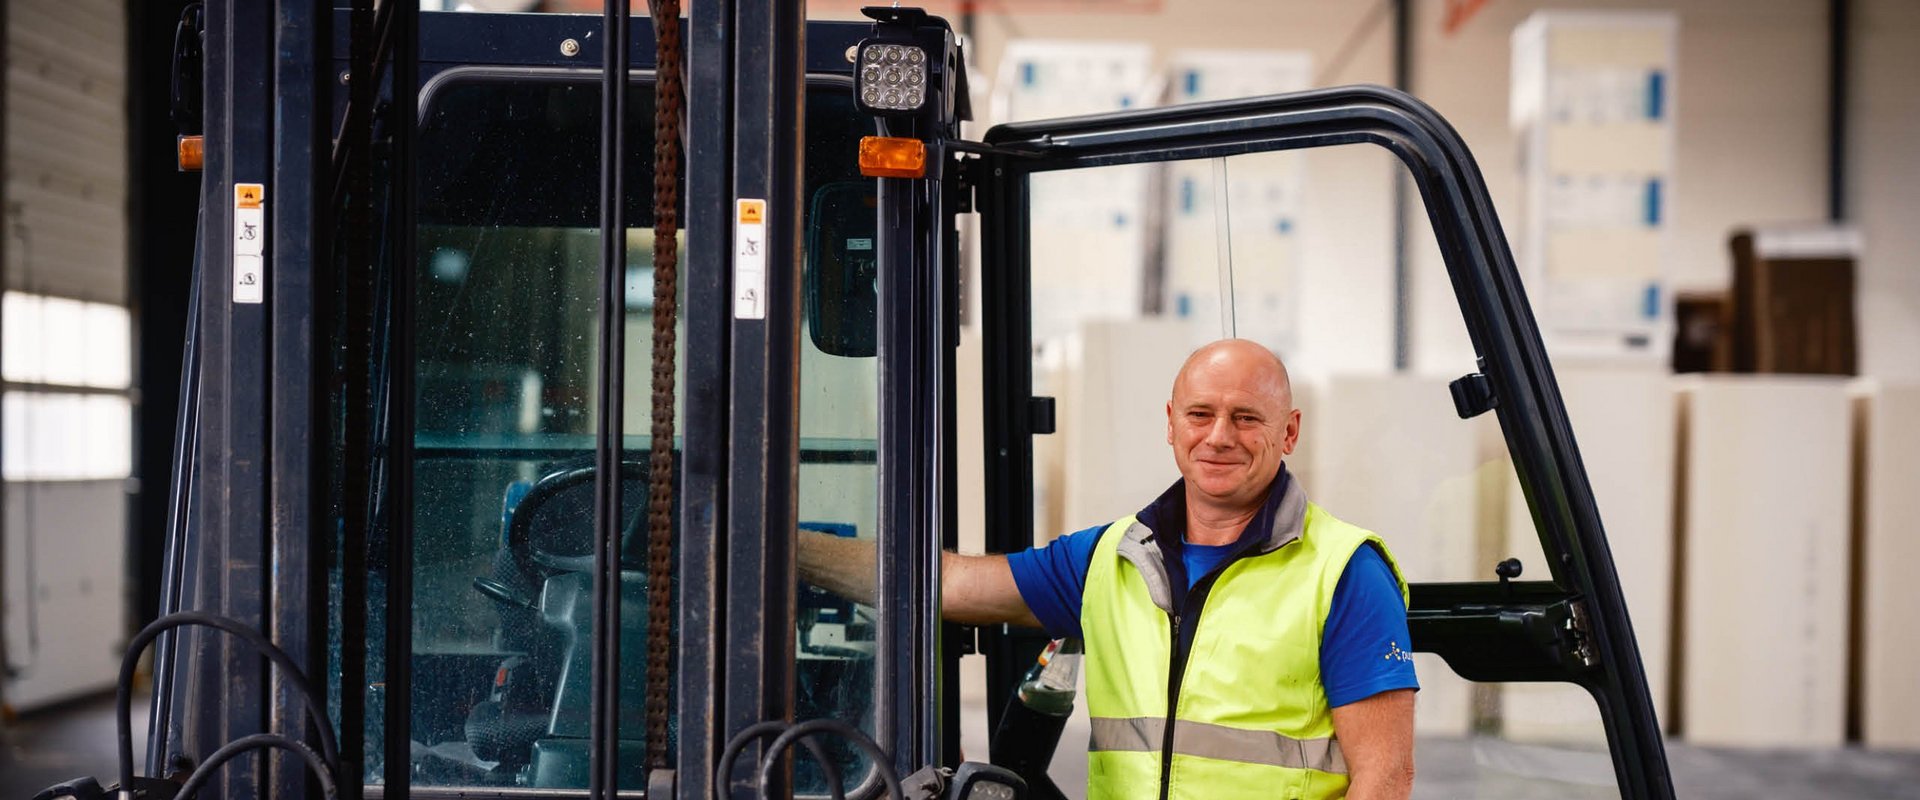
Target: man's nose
(1219,434)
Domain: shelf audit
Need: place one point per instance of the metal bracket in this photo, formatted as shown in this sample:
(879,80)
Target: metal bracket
(1578,628)
(965,181)
(1040,411)
(1473,395)
(968,637)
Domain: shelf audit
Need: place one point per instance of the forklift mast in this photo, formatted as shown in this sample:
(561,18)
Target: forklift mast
(310,436)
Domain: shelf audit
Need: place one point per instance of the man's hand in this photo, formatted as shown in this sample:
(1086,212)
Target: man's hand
(974,590)
(1376,736)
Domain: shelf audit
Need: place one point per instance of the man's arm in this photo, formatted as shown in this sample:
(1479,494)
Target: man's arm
(974,590)
(1376,737)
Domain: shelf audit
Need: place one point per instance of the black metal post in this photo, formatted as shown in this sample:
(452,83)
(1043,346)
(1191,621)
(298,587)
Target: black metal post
(235,393)
(1839,37)
(355,310)
(401,126)
(1007,383)
(900,661)
(177,552)
(769,68)
(604,722)
(952,280)
(301,102)
(703,459)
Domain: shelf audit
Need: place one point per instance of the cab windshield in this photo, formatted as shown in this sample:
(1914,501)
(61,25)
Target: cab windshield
(505,343)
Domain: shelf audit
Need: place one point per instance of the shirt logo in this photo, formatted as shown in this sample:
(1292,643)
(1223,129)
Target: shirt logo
(1397,654)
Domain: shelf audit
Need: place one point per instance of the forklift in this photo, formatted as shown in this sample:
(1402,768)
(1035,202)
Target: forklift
(431,535)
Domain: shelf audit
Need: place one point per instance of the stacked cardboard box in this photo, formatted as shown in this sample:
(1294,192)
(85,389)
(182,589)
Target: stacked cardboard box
(1793,302)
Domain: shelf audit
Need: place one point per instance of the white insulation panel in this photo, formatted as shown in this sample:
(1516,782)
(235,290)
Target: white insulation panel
(1765,584)
(1890,694)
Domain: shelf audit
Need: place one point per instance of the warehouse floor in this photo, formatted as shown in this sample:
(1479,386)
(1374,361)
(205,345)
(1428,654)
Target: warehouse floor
(78,740)
(70,741)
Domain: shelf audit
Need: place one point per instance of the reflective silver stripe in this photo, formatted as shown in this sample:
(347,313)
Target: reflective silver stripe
(1218,742)
(1257,747)
(1128,734)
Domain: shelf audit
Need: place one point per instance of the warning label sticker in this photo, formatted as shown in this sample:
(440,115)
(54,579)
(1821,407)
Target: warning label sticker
(249,242)
(750,259)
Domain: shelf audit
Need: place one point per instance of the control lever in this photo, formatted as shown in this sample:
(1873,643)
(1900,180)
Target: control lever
(503,593)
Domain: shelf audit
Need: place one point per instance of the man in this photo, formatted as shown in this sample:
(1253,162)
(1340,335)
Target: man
(1240,641)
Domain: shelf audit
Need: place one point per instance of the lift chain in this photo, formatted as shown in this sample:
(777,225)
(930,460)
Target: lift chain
(666,202)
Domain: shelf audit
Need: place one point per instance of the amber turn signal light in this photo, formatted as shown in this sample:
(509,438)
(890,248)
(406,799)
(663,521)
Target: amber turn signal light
(892,157)
(193,153)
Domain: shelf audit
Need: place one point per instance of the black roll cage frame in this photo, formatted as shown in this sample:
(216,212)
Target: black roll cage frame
(1486,631)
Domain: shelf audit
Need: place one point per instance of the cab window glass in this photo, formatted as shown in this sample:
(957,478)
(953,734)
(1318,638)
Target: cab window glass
(506,346)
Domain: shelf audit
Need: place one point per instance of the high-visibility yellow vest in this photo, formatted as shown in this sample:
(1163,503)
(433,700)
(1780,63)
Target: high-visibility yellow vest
(1251,717)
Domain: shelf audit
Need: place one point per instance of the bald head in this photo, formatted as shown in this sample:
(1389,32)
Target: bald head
(1231,421)
(1242,361)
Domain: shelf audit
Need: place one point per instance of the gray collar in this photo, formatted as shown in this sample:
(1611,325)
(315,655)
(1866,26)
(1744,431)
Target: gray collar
(1137,544)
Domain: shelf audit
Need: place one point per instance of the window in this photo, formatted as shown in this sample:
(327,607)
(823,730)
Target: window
(506,352)
(67,413)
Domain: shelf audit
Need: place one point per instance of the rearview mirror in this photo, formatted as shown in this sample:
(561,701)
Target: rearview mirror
(842,265)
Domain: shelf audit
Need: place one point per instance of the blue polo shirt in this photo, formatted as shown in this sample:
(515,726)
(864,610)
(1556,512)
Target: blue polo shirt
(1362,648)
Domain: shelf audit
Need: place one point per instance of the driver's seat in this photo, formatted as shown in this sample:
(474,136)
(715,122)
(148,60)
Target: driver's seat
(542,578)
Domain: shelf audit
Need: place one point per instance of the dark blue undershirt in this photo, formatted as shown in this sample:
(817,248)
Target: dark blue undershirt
(1362,647)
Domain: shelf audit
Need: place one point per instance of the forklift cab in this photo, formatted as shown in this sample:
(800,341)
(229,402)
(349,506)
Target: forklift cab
(815,390)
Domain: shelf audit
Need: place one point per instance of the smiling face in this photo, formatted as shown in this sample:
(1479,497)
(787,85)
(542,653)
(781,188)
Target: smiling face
(1231,421)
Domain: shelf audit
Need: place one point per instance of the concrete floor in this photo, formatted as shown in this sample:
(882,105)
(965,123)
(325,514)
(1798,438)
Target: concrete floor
(71,741)
(78,740)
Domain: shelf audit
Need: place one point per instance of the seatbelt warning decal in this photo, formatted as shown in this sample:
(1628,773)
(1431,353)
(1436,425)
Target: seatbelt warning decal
(249,243)
(750,259)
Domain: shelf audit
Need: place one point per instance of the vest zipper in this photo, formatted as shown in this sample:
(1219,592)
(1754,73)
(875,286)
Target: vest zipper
(1176,670)
(1196,596)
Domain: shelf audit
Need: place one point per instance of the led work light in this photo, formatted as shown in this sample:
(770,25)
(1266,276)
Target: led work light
(891,73)
(892,78)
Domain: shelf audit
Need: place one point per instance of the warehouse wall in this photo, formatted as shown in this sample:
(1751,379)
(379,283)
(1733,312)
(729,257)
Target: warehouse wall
(1884,183)
(68,412)
(1751,106)
(66,148)
(1750,119)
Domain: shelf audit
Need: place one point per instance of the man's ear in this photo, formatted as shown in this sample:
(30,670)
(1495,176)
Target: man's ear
(1290,435)
(1169,423)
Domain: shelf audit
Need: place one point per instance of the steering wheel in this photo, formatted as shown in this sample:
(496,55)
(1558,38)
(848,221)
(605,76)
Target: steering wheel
(528,553)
